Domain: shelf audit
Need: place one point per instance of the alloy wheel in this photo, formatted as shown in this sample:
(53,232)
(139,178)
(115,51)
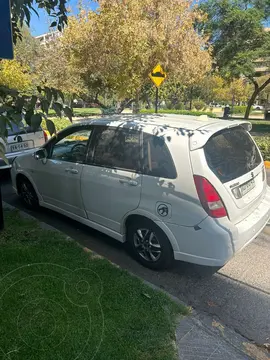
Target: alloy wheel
(147,245)
(27,194)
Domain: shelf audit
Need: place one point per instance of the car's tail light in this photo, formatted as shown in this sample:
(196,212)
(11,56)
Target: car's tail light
(209,197)
(45,136)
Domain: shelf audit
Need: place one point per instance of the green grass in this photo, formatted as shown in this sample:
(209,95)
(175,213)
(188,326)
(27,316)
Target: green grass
(59,302)
(179,112)
(81,112)
(60,123)
(86,111)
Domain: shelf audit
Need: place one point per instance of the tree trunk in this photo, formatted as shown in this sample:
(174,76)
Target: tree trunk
(233,102)
(124,104)
(257,90)
(71,101)
(253,97)
(136,108)
(251,102)
(191,99)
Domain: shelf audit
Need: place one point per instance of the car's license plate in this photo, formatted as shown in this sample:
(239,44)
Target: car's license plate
(245,188)
(21,146)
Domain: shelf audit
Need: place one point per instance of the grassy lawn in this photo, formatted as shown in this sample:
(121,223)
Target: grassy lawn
(86,111)
(59,302)
(81,111)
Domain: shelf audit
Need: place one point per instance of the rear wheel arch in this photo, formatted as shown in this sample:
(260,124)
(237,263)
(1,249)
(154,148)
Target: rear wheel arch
(162,226)
(133,218)
(166,258)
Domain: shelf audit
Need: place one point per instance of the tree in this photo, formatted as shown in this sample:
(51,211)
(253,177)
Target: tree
(14,75)
(118,45)
(53,70)
(14,102)
(28,49)
(238,37)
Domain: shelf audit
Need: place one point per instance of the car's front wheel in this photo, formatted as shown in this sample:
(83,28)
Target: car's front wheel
(149,245)
(27,194)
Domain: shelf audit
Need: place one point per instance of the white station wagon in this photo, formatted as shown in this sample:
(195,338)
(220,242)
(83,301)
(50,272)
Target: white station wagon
(172,187)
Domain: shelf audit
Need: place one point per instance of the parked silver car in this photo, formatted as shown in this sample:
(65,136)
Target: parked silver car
(172,187)
(21,138)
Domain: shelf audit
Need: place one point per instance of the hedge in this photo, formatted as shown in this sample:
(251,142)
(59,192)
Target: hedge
(263,143)
(242,110)
(179,112)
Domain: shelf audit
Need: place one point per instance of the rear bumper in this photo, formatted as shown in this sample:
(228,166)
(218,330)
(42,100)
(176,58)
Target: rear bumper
(250,227)
(216,241)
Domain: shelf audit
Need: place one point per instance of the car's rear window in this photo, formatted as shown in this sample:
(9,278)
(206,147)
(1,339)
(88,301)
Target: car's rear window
(21,128)
(231,153)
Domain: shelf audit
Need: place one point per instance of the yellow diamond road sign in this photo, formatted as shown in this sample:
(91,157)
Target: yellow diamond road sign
(158,75)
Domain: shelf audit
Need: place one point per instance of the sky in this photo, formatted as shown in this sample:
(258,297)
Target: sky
(40,25)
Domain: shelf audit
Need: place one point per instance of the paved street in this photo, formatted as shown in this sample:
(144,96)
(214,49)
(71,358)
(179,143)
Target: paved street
(238,294)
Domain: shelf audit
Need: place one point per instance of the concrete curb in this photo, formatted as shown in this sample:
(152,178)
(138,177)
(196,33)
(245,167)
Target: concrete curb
(195,333)
(267,164)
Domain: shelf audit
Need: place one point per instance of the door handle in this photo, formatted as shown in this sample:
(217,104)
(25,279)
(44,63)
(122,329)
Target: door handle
(129,182)
(72,171)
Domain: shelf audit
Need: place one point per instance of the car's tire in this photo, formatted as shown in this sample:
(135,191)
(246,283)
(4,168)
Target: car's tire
(149,245)
(27,194)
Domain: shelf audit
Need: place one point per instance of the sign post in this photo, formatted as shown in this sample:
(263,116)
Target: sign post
(156,102)
(6,52)
(158,75)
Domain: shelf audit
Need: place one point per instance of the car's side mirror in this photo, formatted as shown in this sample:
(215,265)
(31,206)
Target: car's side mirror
(41,154)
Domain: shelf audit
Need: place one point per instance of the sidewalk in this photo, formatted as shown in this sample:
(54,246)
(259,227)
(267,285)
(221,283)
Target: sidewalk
(200,337)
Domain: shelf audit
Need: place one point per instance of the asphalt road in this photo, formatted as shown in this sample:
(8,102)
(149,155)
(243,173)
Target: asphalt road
(238,294)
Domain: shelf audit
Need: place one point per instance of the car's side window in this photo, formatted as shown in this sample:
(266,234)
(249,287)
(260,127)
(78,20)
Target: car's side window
(117,148)
(71,148)
(157,158)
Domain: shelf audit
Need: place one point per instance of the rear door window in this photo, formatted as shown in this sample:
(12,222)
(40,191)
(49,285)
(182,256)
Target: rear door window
(157,158)
(231,153)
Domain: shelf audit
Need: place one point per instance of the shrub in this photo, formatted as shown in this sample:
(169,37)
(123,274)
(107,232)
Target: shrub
(199,104)
(169,105)
(263,143)
(179,106)
(239,109)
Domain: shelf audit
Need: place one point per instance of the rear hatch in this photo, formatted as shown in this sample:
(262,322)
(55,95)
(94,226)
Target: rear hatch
(22,137)
(232,163)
